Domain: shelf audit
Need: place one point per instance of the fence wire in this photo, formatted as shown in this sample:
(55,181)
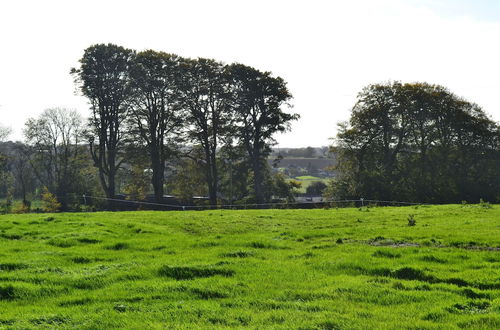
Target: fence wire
(296,204)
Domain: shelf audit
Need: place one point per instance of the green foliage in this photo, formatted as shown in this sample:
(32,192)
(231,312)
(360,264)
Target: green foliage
(416,142)
(258,99)
(54,154)
(23,207)
(103,77)
(264,269)
(50,204)
(156,115)
(316,188)
(137,184)
(187,181)
(285,189)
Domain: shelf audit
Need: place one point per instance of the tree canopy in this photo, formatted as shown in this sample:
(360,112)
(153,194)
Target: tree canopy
(156,100)
(417,142)
(103,77)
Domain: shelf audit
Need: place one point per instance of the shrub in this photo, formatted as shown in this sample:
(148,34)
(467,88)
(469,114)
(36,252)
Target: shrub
(6,206)
(24,207)
(50,202)
(411,220)
(484,205)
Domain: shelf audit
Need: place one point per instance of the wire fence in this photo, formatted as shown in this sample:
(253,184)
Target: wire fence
(324,203)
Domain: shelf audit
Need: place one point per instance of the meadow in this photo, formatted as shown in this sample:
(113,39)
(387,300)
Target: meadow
(338,268)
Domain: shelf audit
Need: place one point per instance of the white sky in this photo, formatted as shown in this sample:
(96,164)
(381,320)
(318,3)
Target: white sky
(326,50)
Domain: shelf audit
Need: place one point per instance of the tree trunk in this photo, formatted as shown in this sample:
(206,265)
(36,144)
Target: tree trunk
(258,181)
(158,178)
(212,183)
(110,193)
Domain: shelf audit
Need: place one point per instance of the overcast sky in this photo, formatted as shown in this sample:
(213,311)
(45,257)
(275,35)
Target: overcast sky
(326,50)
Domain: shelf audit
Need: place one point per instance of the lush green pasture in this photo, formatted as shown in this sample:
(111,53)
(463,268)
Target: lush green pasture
(324,269)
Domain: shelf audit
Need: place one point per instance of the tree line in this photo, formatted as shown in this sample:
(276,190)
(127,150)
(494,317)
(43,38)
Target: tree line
(186,127)
(193,113)
(417,142)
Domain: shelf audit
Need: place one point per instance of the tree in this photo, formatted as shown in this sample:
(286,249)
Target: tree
(417,142)
(54,138)
(205,94)
(283,188)
(156,114)
(234,169)
(50,202)
(316,188)
(4,132)
(258,102)
(4,175)
(188,178)
(103,77)
(23,173)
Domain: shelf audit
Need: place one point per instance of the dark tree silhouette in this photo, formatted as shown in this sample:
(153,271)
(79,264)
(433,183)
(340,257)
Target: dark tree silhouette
(157,117)
(258,101)
(103,77)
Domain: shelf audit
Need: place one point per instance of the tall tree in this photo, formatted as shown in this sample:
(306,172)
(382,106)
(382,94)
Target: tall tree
(24,176)
(259,99)
(205,94)
(103,77)
(156,114)
(54,138)
(4,133)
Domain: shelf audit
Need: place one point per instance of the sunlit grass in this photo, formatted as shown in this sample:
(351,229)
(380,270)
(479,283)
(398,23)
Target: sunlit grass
(324,269)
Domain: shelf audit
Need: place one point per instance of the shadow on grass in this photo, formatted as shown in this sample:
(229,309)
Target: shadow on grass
(189,273)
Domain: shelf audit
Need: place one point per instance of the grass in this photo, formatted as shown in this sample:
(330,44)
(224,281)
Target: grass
(308,177)
(304,269)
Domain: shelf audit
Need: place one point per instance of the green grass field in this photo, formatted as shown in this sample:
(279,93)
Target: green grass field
(303,269)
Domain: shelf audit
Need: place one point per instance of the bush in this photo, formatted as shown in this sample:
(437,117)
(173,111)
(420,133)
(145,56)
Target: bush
(484,205)
(316,188)
(411,220)
(49,202)
(24,207)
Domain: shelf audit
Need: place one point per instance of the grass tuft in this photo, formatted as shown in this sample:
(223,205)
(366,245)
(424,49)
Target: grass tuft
(8,292)
(409,273)
(89,240)
(238,254)
(81,260)
(75,302)
(53,320)
(118,246)
(386,254)
(11,236)
(12,266)
(434,259)
(208,294)
(189,273)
